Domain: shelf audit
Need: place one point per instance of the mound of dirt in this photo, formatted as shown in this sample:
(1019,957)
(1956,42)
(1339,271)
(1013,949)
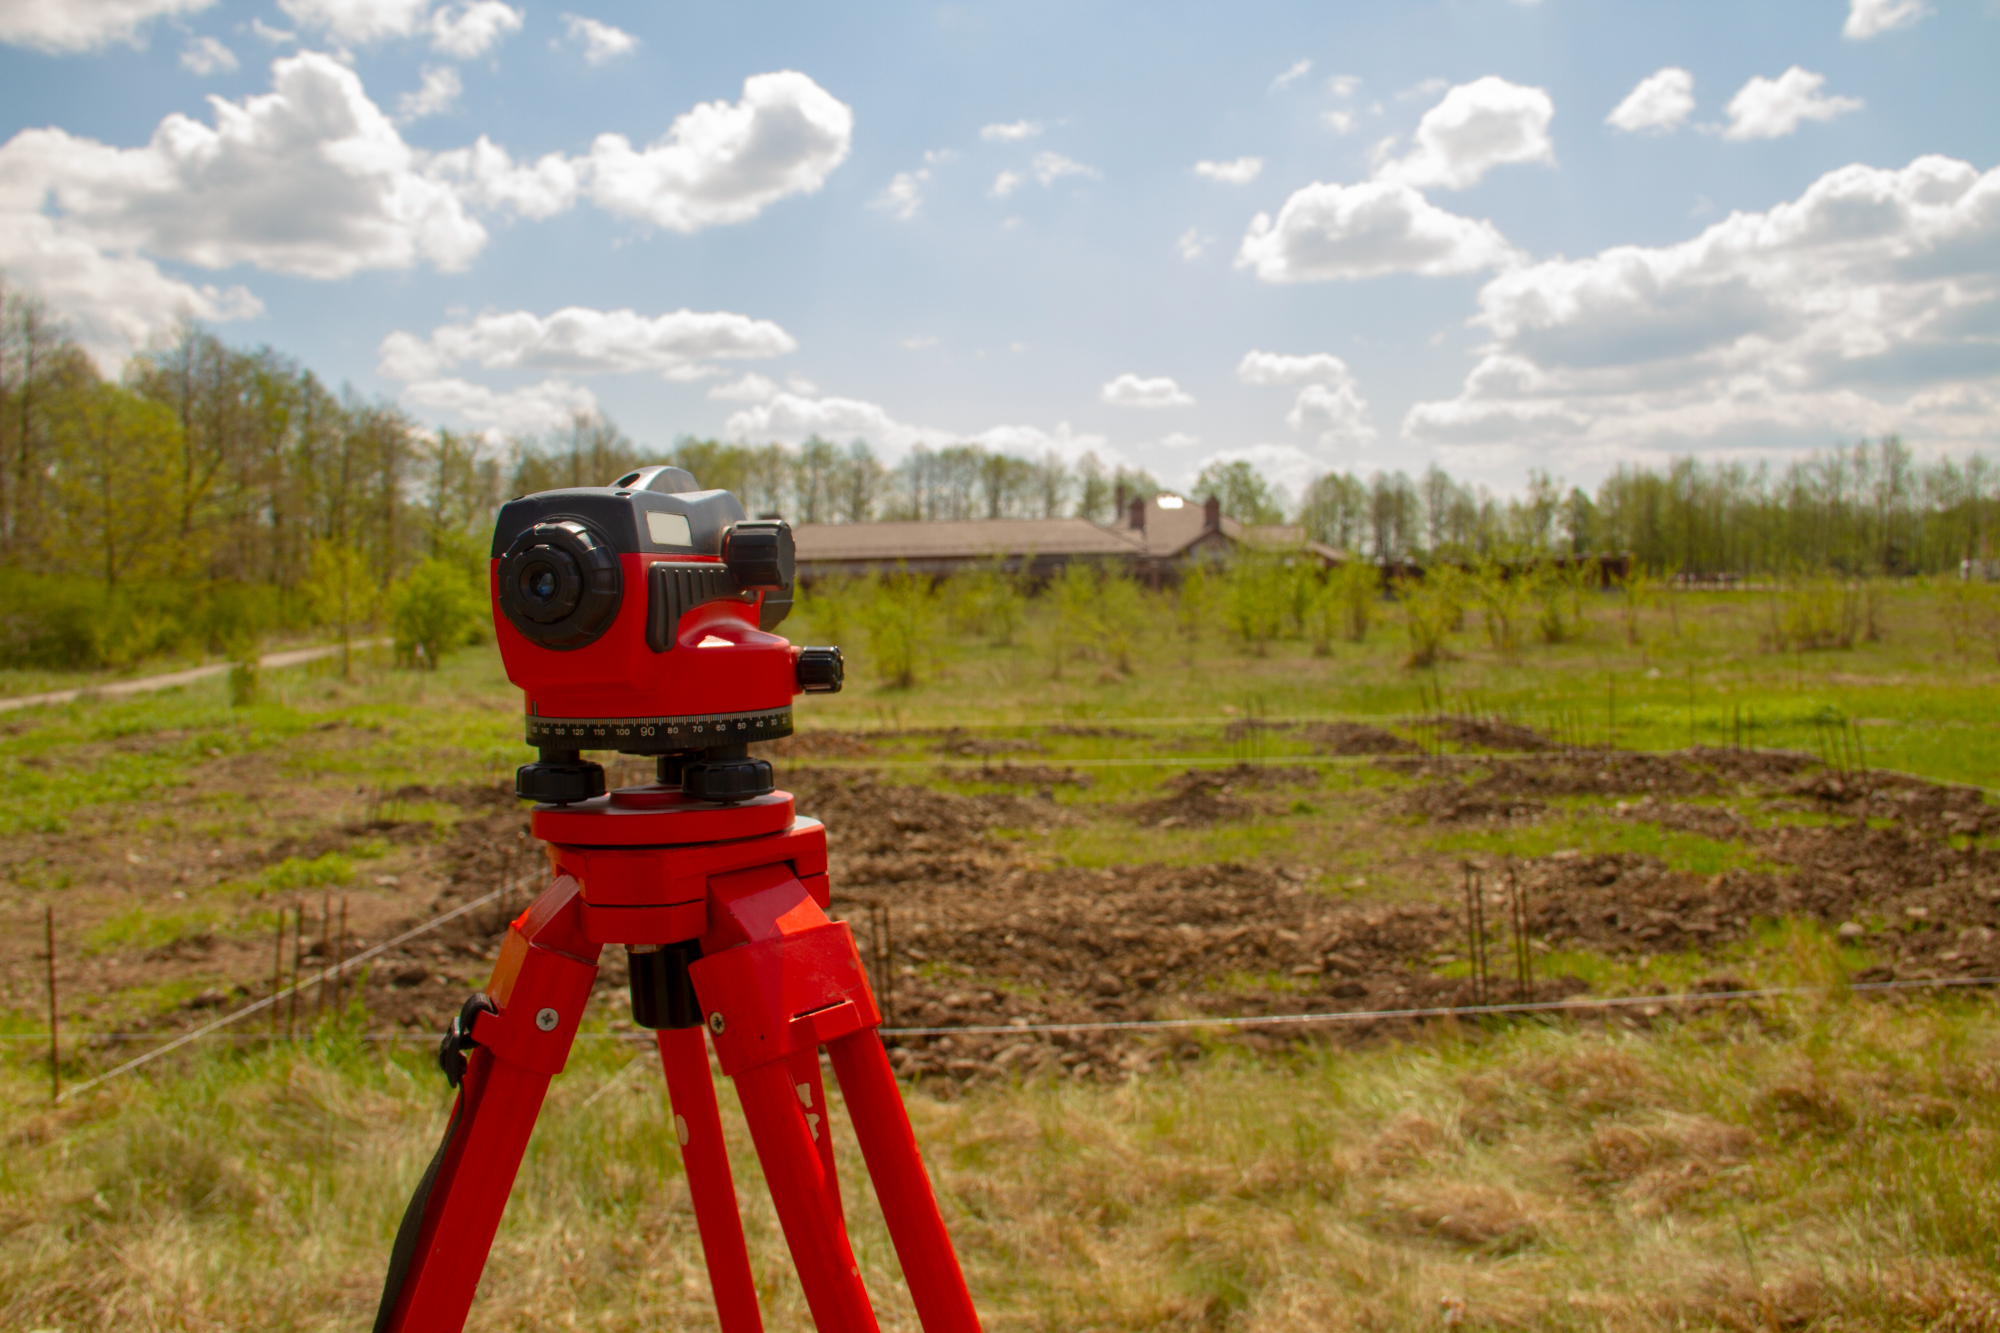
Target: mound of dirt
(1071,944)
(1022,775)
(1204,796)
(964,744)
(1355,738)
(1485,733)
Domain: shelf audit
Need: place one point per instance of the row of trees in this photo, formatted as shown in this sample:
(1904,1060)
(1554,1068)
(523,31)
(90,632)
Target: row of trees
(211,494)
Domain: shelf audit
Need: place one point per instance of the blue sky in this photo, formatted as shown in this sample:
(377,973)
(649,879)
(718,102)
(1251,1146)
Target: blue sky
(1484,233)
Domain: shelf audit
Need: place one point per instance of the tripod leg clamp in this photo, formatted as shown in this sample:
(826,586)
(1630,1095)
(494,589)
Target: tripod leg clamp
(459,1040)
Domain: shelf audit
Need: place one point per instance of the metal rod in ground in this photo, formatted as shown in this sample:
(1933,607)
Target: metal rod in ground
(340,962)
(325,949)
(1691,741)
(55,1064)
(278,970)
(298,957)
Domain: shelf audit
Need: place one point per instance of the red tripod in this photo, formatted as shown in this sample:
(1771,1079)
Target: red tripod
(722,911)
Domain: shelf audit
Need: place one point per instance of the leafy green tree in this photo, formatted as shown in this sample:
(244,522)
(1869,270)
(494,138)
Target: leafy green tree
(1245,495)
(902,619)
(433,611)
(340,594)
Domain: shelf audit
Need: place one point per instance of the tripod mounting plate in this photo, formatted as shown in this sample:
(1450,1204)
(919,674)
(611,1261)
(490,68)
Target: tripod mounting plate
(658,817)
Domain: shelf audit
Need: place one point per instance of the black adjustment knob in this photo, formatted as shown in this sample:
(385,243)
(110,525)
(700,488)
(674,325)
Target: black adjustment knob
(560,777)
(727,775)
(821,671)
(759,554)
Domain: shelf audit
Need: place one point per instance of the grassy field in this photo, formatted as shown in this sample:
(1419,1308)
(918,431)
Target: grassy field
(1824,1161)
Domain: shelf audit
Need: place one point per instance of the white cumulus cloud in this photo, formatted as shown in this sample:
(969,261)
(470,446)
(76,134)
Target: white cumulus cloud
(581,341)
(1772,108)
(1277,368)
(903,196)
(751,388)
(524,411)
(1475,127)
(438,93)
(1005,184)
(726,162)
(1191,243)
(65,26)
(600,41)
(793,416)
(468,30)
(1871,18)
(1012,132)
(1659,103)
(1051,167)
(310,179)
(203,56)
(1337,413)
(1240,171)
(360,20)
(1325,232)
(486,175)
(1869,304)
(1130,390)
(1293,73)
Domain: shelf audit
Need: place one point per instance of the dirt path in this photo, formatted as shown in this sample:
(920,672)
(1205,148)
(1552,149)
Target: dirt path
(144,684)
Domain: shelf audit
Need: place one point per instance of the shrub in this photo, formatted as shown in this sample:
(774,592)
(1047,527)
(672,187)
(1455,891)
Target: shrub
(1255,599)
(433,611)
(901,617)
(1430,606)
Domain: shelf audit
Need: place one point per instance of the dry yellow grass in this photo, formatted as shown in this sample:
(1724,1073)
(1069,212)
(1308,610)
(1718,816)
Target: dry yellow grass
(1833,1165)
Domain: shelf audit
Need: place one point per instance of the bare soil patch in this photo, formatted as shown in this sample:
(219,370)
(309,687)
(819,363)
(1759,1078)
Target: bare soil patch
(1355,738)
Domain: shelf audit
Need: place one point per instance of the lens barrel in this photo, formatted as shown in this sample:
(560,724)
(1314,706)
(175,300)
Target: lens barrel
(560,585)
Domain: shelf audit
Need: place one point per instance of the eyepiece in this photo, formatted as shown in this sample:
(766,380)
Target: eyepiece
(560,584)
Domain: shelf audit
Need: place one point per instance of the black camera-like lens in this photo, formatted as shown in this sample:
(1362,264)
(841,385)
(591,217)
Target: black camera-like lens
(560,584)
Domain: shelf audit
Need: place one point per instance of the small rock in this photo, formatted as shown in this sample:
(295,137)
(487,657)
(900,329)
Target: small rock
(387,881)
(1106,983)
(412,975)
(1851,930)
(1349,990)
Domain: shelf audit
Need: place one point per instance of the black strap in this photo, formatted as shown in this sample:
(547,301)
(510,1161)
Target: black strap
(451,1060)
(405,1249)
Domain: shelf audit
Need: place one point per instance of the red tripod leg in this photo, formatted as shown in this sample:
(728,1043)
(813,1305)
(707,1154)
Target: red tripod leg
(541,983)
(810,1085)
(818,1241)
(930,1265)
(698,1126)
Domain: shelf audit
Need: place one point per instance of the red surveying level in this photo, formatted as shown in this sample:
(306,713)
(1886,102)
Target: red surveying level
(716,888)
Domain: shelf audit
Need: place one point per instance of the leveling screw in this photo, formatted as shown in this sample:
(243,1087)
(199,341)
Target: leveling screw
(547,1019)
(715,1023)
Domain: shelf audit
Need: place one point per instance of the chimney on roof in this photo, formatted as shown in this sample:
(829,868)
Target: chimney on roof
(1211,514)
(1138,514)
(1118,504)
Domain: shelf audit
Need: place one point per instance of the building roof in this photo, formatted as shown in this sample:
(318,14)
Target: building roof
(962,539)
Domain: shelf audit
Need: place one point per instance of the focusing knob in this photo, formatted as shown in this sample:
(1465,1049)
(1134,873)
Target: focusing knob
(560,584)
(760,554)
(727,780)
(820,671)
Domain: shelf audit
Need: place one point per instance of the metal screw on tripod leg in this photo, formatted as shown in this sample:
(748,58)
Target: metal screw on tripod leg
(715,1023)
(547,1019)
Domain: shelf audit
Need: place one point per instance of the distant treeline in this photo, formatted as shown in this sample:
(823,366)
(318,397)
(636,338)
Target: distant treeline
(214,494)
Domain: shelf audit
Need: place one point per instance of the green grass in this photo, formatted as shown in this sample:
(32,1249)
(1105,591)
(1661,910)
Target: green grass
(1826,1164)
(1587,831)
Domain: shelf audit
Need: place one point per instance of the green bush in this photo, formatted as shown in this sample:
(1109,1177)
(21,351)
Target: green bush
(434,611)
(901,617)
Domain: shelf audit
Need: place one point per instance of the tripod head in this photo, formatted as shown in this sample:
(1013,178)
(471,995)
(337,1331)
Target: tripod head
(638,617)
